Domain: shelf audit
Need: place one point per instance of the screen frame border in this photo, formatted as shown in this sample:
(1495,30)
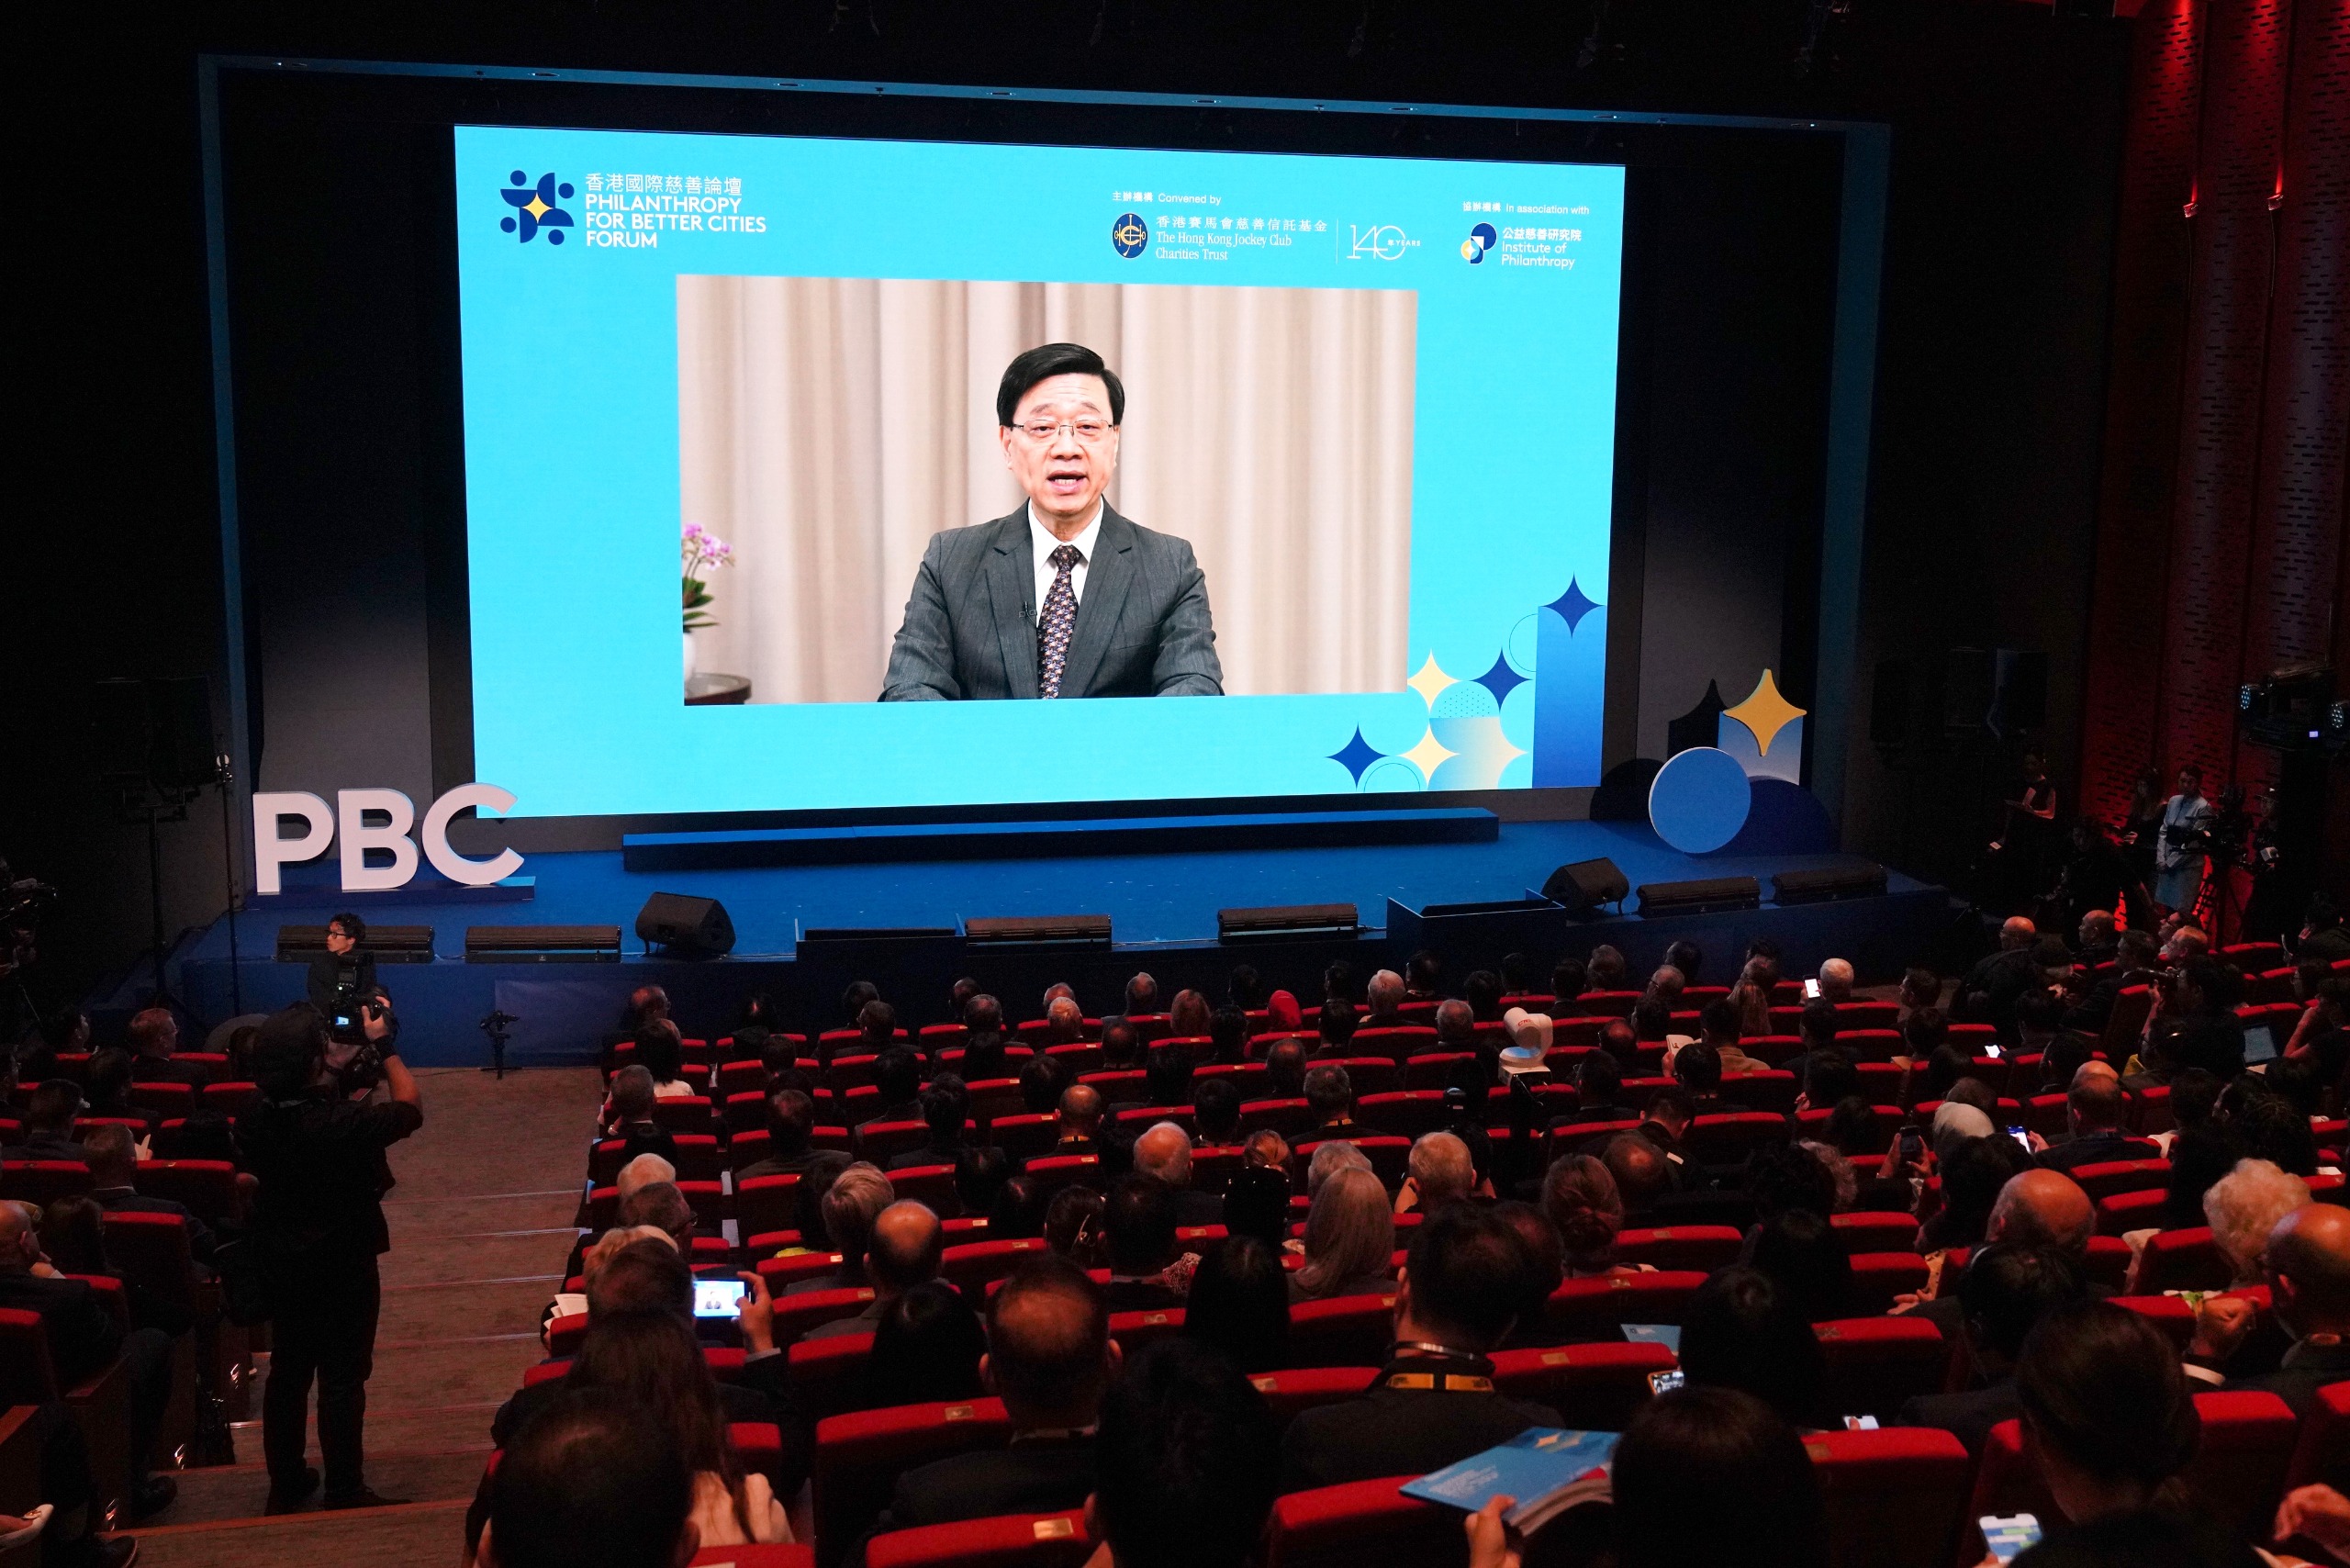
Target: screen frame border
(1867,158)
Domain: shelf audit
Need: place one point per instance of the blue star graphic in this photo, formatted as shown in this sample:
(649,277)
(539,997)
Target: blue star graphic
(1357,755)
(1501,680)
(1573,604)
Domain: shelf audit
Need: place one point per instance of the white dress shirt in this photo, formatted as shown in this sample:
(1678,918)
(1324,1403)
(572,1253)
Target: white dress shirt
(1041,545)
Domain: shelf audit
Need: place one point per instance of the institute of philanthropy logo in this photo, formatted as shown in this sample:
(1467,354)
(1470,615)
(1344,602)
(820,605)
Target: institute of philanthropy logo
(1481,240)
(1129,234)
(534,207)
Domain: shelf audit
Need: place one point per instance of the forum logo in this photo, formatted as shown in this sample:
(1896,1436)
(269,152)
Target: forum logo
(1129,234)
(534,207)
(1481,240)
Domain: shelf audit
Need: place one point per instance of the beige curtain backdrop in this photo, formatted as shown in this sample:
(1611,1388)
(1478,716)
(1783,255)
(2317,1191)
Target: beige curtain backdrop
(828,427)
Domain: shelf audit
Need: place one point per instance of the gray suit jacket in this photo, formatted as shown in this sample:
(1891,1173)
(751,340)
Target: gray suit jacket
(1143,628)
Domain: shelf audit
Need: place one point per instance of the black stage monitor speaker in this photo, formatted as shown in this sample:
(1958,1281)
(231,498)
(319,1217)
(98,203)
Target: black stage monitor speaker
(543,943)
(686,925)
(1861,880)
(878,933)
(1702,897)
(388,944)
(1289,920)
(1038,930)
(1585,885)
(1970,680)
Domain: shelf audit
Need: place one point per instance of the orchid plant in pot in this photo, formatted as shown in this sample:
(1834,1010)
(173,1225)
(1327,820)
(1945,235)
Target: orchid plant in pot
(701,553)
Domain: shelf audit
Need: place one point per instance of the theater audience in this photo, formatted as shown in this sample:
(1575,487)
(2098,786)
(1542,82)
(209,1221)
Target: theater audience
(154,1036)
(651,1359)
(661,1052)
(1741,1330)
(1081,1120)
(2242,1207)
(1215,1111)
(1711,1475)
(1805,1257)
(1327,1159)
(2306,1266)
(1580,1197)
(2094,1108)
(1349,1240)
(1138,1222)
(2106,1412)
(1836,982)
(1165,1151)
(927,1342)
(1049,1357)
(791,1126)
(2002,1297)
(49,1116)
(1439,1173)
(1188,1456)
(1239,1303)
(850,1207)
(1330,1101)
(946,1105)
(1257,1202)
(594,1483)
(897,1081)
(901,1251)
(1168,1077)
(1434,1403)
(627,1116)
(114,1184)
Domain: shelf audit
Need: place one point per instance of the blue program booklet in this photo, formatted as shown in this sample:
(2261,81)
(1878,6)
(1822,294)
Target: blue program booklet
(1546,1469)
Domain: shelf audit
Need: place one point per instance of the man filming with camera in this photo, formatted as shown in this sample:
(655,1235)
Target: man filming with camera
(317,1144)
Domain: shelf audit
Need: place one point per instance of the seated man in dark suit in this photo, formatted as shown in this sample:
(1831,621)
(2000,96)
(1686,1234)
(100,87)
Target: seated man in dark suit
(1336,1030)
(598,1479)
(1330,1101)
(2093,1110)
(1049,1357)
(114,1183)
(1285,1070)
(84,1339)
(1139,1221)
(897,1080)
(1189,1456)
(1697,1067)
(1063,597)
(154,1035)
(946,1105)
(791,1124)
(1080,1123)
(1215,1111)
(1384,1002)
(1434,1403)
(1165,1151)
(902,1252)
(50,1113)
(2002,1295)
(627,1116)
(1167,1081)
(1599,1084)
(2307,1264)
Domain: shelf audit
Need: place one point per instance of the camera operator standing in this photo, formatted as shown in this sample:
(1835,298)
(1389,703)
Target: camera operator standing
(318,1148)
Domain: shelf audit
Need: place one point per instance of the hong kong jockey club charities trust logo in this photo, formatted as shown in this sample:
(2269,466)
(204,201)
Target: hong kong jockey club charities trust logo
(534,207)
(1129,234)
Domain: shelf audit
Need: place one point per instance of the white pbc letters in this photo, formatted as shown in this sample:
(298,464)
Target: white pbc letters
(347,820)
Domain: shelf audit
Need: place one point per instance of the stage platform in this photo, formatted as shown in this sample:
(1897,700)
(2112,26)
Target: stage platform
(1162,905)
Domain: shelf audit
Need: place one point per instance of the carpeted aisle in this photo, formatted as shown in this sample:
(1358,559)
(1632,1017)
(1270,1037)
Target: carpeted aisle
(480,1222)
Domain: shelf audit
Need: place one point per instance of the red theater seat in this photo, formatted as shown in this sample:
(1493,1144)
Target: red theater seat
(1878,1277)
(1703,1248)
(794,1315)
(1895,1498)
(1436,1070)
(859,1457)
(1594,1387)
(1058,1171)
(1867,1232)
(1404,1113)
(1345,1331)
(2324,1442)
(1294,1389)
(828,1375)
(1875,1363)
(43,1182)
(1586,1309)
(976,1265)
(1365,1524)
(1019,1540)
(1774,1091)
(2183,1260)
(206,1188)
(2109,1177)
(1728,1139)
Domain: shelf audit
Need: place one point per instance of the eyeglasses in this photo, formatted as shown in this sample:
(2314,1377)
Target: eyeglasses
(1043,433)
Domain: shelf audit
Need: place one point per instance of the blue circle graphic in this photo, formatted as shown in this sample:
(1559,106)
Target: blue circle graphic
(1129,234)
(1699,800)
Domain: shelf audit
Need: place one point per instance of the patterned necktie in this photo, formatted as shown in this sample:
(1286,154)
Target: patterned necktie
(1053,626)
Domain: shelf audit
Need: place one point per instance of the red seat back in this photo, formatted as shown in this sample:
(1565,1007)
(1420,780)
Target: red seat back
(1585,1309)
(151,1250)
(231,1100)
(1594,1387)
(686,1113)
(1728,1139)
(766,1203)
(1364,1524)
(1294,1389)
(1703,1248)
(1025,1135)
(43,1182)
(1867,1232)
(206,1188)
(157,1101)
(973,1266)
(794,1315)
(1774,1091)
(1017,1540)
(1343,1331)
(1895,1498)
(2324,1442)
(828,1375)
(859,1457)
(27,1376)
(2238,1469)
(2183,1260)
(1875,1363)
(2108,1176)
(1878,1277)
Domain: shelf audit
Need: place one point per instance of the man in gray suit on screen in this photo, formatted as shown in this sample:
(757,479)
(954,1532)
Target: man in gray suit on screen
(1064,598)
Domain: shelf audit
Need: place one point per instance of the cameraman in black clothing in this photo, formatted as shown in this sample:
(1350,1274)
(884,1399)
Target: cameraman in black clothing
(317,1229)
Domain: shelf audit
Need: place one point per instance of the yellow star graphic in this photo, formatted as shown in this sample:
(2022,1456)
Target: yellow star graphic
(1765,712)
(1430,682)
(536,208)
(1427,756)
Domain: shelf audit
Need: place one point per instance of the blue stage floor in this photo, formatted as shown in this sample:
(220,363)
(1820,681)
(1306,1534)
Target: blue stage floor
(1162,903)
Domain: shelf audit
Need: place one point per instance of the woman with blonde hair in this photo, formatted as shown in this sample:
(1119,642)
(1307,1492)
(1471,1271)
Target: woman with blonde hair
(1751,996)
(1349,1240)
(1578,1193)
